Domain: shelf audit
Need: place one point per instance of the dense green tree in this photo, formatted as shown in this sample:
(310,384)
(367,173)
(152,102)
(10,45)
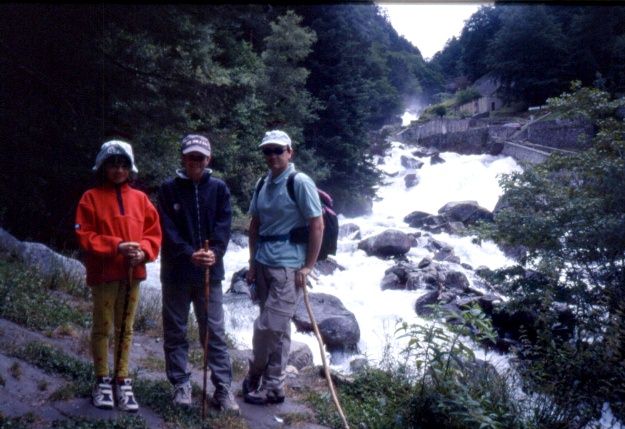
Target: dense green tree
(478,31)
(449,60)
(360,71)
(569,213)
(528,54)
(76,75)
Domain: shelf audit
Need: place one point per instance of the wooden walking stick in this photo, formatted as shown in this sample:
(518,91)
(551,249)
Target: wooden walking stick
(122,324)
(323,358)
(206,295)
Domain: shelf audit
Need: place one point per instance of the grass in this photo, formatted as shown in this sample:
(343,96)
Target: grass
(78,372)
(149,316)
(30,301)
(157,396)
(153,364)
(153,394)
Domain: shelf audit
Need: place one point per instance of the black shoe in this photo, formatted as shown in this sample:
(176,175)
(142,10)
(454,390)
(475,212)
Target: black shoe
(252,393)
(275,396)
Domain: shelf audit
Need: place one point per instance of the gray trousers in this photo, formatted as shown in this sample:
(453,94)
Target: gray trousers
(271,342)
(176,304)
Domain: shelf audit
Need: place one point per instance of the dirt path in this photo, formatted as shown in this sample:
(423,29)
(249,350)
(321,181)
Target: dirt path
(25,388)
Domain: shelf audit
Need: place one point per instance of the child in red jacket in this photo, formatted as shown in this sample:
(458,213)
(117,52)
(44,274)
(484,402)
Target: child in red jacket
(118,229)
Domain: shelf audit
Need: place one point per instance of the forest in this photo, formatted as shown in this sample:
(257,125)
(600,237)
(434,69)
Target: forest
(77,74)
(328,74)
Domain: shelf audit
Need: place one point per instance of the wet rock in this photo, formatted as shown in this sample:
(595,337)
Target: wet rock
(358,365)
(410,163)
(239,239)
(424,262)
(238,284)
(338,326)
(457,281)
(328,266)
(414,238)
(436,159)
(391,281)
(388,243)
(467,212)
(422,304)
(350,231)
(446,254)
(300,355)
(411,180)
(455,228)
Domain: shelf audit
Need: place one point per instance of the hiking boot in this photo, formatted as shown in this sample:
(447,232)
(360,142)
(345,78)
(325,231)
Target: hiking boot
(182,393)
(124,396)
(224,401)
(252,392)
(102,393)
(275,396)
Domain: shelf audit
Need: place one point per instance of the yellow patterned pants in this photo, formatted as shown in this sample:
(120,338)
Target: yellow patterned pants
(109,300)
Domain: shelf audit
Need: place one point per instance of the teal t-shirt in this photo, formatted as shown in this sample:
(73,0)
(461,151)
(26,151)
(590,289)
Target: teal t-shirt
(278,214)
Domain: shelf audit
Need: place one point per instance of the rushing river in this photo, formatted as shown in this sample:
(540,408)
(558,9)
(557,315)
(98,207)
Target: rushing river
(459,178)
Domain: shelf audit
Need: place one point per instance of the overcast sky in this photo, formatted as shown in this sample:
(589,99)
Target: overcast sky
(428,26)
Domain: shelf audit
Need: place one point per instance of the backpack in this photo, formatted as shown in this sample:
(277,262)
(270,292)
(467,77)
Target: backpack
(330,219)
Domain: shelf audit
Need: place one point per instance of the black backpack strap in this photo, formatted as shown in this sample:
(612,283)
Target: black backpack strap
(259,186)
(290,185)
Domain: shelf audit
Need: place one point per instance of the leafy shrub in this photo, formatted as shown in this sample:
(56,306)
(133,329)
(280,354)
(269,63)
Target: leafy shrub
(466,95)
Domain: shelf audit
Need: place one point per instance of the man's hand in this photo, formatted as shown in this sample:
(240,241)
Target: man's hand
(300,277)
(203,258)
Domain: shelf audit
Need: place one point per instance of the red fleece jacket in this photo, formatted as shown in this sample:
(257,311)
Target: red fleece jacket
(109,215)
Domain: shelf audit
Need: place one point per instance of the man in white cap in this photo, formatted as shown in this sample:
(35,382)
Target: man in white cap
(284,238)
(194,207)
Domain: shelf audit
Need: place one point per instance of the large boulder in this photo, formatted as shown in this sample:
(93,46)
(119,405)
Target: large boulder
(47,262)
(350,231)
(467,212)
(300,355)
(328,266)
(389,243)
(238,284)
(338,326)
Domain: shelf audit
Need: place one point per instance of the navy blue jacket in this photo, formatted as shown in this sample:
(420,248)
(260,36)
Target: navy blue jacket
(185,229)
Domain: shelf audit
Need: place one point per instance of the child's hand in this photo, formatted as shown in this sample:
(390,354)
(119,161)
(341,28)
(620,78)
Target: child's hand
(132,252)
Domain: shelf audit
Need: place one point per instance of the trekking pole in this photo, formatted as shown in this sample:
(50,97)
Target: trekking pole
(323,358)
(206,294)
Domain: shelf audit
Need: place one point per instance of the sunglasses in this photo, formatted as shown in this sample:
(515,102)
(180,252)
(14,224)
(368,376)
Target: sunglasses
(196,158)
(274,151)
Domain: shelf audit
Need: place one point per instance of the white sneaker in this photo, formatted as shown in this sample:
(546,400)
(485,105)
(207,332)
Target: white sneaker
(102,393)
(124,397)
(182,393)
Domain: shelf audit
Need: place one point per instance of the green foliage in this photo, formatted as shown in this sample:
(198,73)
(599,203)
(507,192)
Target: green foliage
(568,213)
(27,299)
(123,422)
(441,383)
(26,421)
(157,396)
(534,50)
(466,95)
(54,361)
(152,73)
